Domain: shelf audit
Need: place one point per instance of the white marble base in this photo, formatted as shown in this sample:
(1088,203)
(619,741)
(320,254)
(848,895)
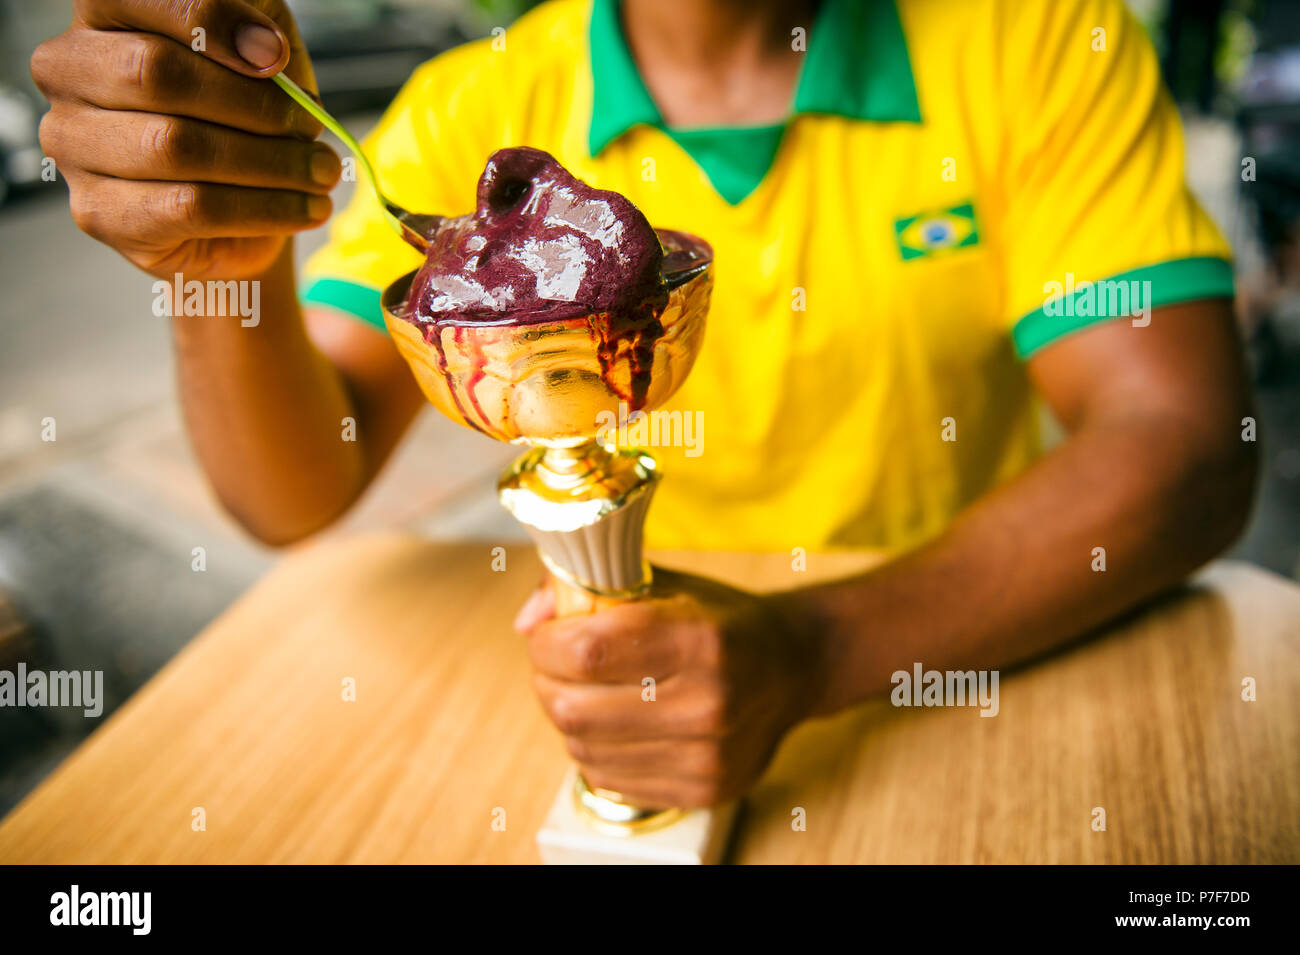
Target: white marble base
(567,838)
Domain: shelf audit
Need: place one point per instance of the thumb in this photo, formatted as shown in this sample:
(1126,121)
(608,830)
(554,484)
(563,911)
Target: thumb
(537,609)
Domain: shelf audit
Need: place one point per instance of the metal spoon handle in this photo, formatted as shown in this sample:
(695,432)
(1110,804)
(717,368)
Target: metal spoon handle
(304,99)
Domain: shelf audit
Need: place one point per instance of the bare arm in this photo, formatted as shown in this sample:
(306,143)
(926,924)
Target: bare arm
(266,406)
(1154,470)
(181,155)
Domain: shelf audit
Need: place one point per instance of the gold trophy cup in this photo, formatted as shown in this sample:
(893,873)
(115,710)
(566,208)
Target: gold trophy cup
(550,386)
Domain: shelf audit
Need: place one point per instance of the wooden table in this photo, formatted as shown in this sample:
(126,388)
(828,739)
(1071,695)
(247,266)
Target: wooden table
(249,723)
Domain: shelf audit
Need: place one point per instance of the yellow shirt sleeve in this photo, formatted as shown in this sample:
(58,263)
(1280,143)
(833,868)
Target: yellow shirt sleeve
(1098,222)
(427,151)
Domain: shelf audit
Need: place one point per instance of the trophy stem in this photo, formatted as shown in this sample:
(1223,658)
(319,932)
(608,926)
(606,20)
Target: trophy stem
(585,507)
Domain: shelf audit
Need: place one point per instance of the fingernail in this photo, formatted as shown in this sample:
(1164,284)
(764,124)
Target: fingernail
(324,167)
(258,46)
(318,207)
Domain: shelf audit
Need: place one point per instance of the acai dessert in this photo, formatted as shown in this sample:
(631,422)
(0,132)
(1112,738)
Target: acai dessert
(543,249)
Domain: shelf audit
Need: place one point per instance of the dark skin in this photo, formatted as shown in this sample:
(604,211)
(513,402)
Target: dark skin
(183,161)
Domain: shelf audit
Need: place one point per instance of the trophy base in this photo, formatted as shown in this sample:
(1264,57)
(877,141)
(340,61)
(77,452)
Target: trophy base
(568,837)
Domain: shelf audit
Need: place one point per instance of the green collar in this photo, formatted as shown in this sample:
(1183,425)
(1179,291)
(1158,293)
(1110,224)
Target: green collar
(857,67)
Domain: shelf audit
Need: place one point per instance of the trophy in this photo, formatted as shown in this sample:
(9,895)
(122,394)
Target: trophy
(548,386)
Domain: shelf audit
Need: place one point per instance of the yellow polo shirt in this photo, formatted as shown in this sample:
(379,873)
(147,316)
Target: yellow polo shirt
(951,181)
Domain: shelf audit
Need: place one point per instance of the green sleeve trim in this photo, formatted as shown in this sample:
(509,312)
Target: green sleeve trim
(360,301)
(1069,308)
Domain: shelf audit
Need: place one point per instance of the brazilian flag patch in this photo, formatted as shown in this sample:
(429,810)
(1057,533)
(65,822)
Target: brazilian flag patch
(933,233)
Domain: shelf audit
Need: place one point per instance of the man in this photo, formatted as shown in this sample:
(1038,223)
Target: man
(908,201)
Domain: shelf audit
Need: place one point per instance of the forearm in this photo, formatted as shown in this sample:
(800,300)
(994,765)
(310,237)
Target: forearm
(265,411)
(1018,574)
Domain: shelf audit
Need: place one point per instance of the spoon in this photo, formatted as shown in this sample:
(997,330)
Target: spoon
(417,228)
(414,227)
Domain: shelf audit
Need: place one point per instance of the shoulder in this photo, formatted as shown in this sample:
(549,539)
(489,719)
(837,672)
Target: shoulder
(1029,63)
(1029,30)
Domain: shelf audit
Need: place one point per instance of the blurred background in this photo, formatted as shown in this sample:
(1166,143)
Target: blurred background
(98,527)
